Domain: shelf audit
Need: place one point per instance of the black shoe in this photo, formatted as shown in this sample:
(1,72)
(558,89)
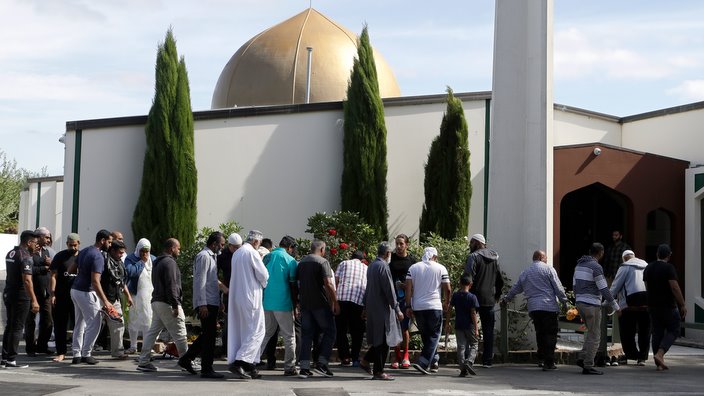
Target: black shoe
(212,375)
(580,363)
(89,360)
(305,373)
(31,354)
(323,370)
(540,363)
(46,351)
(592,371)
(420,368)
(75,360)
(239,372)
(463,372)
(549,367)
(469,368)
(187,365)
(255,374)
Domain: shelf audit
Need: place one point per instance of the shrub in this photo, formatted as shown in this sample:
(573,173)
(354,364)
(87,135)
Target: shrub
(343,233)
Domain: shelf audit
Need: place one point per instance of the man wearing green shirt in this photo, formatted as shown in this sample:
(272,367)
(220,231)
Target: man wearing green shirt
(280,298)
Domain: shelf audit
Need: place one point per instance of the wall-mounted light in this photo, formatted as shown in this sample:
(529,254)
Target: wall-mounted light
(597,151)
(62,139)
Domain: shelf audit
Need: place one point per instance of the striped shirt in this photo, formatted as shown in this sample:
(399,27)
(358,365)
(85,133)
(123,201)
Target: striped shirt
(542,288)
(590,284)
(351,281)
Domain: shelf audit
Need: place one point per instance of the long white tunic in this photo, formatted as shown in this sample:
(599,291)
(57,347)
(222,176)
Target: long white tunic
(246,327)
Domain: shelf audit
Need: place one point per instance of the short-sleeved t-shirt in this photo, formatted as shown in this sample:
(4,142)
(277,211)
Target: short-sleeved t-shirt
(427,278)
(18,263)
(89,260)
(657,276)
(60,264)
(282,271)
(310,274)
(464,302)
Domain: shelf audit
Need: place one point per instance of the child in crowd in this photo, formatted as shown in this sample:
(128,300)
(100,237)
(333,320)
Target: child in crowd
(466,330)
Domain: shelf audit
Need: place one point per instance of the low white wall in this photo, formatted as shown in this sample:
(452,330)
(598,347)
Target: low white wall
(7,243)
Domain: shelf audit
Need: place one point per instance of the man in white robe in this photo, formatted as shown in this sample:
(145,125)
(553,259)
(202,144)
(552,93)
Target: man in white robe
(246,325)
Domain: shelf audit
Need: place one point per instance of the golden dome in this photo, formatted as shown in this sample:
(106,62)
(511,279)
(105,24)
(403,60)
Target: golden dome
(271,68)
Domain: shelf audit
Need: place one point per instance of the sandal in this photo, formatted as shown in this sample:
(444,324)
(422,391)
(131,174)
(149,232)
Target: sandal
(383,377)
(367,369)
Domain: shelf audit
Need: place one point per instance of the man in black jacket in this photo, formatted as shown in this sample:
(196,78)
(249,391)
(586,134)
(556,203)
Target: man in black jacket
(483,268)
(166,307)
(41,278)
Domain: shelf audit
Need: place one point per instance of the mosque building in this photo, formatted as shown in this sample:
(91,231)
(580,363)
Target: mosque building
(271,128)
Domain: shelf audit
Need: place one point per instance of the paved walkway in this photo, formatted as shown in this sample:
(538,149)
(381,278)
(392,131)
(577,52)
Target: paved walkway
(112,377)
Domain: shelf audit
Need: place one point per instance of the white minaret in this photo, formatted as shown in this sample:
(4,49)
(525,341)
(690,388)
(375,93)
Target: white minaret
(520,212)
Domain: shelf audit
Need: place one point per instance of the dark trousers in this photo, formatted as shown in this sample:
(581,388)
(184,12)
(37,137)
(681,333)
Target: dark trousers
(666,327)
(321,320)
(270,351)
(429,324)
(546,329)
(377,354)
(46,325)
(350,318)
(204,345)
(632,322)
(16,312)
(486,315)
(63,315)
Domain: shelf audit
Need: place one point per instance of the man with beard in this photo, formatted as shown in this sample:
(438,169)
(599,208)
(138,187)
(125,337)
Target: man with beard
(246,323)
(112,281)
(487,282)
(206,302)
(41,279)
(61,282)
(383,314)
(401,261)
(87,295)
(234,242)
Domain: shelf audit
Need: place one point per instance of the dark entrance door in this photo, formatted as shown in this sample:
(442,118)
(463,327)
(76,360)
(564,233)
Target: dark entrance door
(589,215)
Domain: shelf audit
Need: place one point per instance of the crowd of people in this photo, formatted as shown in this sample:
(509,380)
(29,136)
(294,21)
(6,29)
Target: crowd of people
(264,293)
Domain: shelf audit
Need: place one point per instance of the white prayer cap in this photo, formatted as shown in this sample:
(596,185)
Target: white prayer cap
(429,253)
(42,231)
(627,252)
(478,238)
(234,239)
(255,235)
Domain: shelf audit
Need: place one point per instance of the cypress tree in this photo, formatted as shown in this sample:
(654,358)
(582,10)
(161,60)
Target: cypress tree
(167,200)
(448,184)
(364,169)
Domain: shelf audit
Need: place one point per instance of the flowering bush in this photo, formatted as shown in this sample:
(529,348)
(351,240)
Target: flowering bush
(452,253)
(343,233)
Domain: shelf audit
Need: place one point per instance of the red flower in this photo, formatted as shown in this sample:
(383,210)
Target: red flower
(333,251)
(343,246)
(332,232)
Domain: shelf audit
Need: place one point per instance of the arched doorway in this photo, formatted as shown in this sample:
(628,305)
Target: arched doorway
(588,215)
(658,230)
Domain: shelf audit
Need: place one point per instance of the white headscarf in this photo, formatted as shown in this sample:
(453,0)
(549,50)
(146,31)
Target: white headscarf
(429,253)
(142,244)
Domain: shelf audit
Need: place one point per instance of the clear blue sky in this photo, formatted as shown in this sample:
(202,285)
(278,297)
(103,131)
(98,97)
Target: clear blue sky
(65,60)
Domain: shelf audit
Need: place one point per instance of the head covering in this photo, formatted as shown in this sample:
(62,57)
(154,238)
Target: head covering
(234,239)
(429,253)
(73,237)
(627,252)
(263,251)
(255,235)
(142,244)
(479,238)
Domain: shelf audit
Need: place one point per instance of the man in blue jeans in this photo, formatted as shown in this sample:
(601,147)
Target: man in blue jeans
(318,304)
(424,282)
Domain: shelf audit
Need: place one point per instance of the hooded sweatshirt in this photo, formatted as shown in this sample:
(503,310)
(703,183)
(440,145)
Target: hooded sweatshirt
(483,268)
(628,284)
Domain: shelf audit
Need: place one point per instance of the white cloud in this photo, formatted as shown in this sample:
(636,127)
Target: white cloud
(690,90)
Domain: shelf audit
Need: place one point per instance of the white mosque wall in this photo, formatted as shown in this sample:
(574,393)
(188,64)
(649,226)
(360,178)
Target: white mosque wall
(270,172)
(41,206)
(671,135)
(572,128)
(694,202)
